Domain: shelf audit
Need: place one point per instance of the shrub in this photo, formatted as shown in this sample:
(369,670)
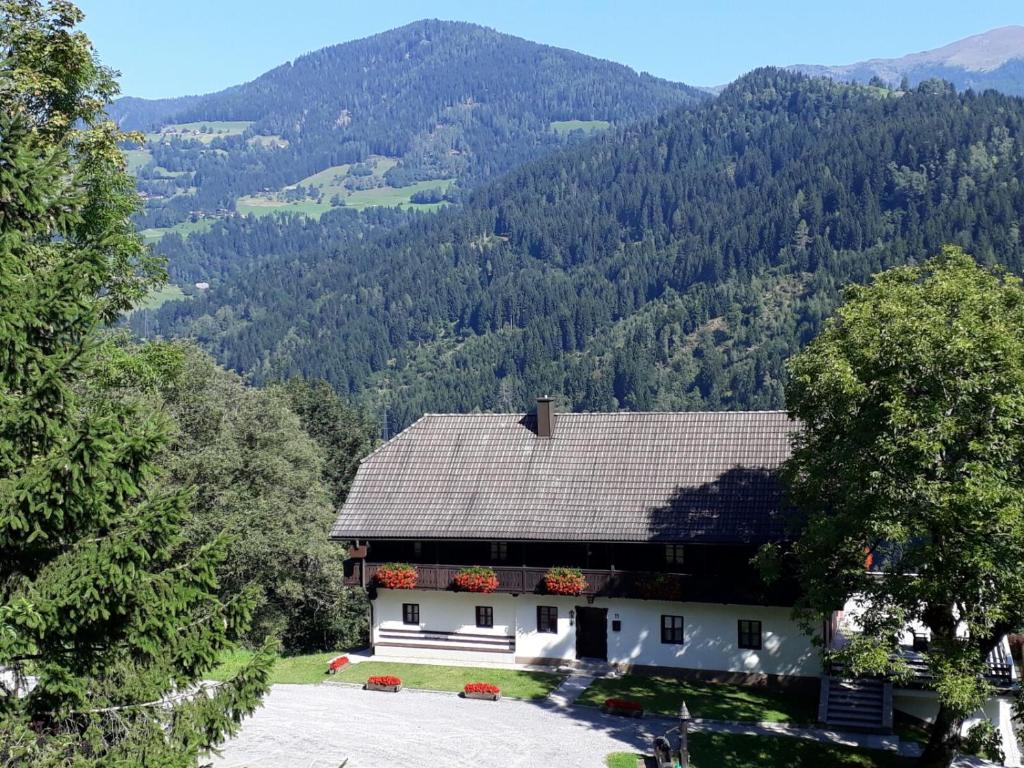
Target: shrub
(482,688)
(396,576)
(564,581)
(984,740)
(476,579)
(383,680)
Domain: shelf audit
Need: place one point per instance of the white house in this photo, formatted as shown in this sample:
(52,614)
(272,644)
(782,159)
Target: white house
(660,513)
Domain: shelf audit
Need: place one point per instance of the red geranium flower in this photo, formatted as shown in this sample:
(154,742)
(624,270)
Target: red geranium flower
(338,663)
(565,581)
(481,688)
(476,579)
(384,680)
(397,576)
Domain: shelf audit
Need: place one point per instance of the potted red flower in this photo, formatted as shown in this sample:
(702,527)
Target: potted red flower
(336,663)
(485,691)
(388,683)
(396,576)
(625,707)
(476,579)
(564,581)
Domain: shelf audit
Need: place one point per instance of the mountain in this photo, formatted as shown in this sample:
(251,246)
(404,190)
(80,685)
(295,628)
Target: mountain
(672,264)
(415,115)
(993,59)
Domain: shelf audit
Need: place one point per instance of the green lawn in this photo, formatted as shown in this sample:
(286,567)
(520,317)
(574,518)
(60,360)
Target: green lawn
(391,196)
(136,159)
(514,683)
(183,228)
(262,206)
(711,701)
(587,126)
(214,129)
(310,668)
(713,750)
(161,295)
(621,760)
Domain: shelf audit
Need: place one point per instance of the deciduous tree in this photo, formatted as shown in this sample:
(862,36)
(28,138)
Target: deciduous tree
(912,449)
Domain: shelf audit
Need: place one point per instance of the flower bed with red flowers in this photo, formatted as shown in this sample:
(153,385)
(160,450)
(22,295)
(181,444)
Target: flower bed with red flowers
(623,707)
(564,581)
(481,691)
(336,663)
(476,579)
(383,683)
(396,576)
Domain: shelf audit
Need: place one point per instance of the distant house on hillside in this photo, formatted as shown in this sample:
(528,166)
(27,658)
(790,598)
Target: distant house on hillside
(660,513)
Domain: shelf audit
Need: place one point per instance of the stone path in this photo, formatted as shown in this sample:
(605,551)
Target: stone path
(571,688)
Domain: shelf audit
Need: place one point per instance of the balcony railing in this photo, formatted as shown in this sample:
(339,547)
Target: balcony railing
(744,589)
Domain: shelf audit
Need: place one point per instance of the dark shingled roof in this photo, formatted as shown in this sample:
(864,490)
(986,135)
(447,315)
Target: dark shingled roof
(602,477)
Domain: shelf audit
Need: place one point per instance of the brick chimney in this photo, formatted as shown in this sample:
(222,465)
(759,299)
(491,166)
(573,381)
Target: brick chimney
(545,417)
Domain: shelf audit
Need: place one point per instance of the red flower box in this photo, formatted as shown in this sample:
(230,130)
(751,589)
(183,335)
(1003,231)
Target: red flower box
(481,691)
(564,581)
(625,707)
(384,683)
(396,576)
(476,579)
(336,663)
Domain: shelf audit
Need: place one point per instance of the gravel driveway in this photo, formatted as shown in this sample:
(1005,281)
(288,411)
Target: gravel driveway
(319,726)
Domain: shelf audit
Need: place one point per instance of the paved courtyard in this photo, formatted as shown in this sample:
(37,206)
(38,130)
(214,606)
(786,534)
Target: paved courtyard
(319,726)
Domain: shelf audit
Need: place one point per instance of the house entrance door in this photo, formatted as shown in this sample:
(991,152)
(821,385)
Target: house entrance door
(591,633)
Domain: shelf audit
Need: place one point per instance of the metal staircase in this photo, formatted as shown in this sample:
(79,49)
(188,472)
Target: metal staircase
(863,704)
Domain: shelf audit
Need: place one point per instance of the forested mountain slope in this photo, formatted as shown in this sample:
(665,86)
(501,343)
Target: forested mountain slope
(673,264)
(993,59)
(433,101)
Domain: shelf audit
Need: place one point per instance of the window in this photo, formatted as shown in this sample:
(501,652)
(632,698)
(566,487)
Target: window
(417,549)
(750,635)
(547,619)
(674,554)
(499,550)
(410,613)
(672,630)
(484,616)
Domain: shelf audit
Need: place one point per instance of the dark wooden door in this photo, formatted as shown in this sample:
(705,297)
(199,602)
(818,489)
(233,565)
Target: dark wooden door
(591,633)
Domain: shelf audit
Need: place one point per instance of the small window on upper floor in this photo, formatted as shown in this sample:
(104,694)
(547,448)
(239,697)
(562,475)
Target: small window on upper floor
(675,554)
(417,549)
(499,551)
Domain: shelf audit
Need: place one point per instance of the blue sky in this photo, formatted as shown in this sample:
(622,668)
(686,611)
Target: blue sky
(173,47)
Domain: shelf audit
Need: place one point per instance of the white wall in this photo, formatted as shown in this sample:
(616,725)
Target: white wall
(711,638)
(710,631)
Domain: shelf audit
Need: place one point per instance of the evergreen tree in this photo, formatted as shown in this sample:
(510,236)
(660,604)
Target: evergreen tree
(96,602)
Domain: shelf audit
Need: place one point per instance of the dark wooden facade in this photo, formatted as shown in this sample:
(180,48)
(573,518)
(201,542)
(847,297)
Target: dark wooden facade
(706,573)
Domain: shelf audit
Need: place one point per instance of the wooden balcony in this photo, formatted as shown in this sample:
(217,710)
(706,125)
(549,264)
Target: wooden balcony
(600,583)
